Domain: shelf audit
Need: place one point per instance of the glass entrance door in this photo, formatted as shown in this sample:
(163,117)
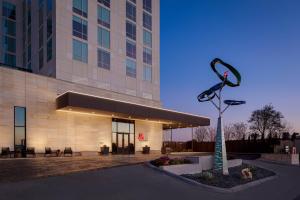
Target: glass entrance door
(123,143)
(123,136)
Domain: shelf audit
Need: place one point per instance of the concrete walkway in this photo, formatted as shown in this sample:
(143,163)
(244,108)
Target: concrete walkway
(142,183)
(18,169)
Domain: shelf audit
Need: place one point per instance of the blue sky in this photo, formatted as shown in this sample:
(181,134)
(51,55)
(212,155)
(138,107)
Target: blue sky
(261,38)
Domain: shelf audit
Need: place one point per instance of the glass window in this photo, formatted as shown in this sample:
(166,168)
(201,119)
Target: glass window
(29,35)
(29,16)
(130,11)
(114,127)
(130,30)
(49,6)
(41,3)
(103,59)
(24,58)
(79,27)
(130,68)
(9,10)
(130,49)
(123,127)
(147,37)
(49,49)
(103,38)
(41,15)
(80,7)
(41,58)
(133,1)
(104,17)
(9,44)
(105,2)
(147,21)
(114,138)
(19,116)
(147,5)
(147,56)
(41,37)
(147,73)
(9,59)
(29,53)
(80,51)
(131,127)
(20,127)
(9,27)
(29,66)
(49,26)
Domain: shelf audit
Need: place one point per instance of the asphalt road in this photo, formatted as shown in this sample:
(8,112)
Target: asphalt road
(142,183)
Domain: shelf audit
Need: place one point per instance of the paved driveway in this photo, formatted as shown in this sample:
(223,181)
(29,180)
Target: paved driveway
(142,183)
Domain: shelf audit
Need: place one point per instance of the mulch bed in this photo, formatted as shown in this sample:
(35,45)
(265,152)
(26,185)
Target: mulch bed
(233,179)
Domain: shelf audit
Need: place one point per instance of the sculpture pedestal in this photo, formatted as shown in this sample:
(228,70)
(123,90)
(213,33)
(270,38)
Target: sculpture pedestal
(220,158)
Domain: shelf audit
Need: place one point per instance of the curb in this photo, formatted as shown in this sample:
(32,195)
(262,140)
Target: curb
(216,189)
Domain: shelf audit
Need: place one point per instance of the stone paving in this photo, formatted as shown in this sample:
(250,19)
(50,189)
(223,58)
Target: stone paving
(18,169)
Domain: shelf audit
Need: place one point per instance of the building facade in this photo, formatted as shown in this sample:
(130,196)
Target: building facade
(63,60)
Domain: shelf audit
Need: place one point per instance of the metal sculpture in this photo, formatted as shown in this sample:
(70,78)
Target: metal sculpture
(220,158)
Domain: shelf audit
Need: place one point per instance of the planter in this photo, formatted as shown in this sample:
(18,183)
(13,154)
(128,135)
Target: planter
(104,150)
(146,150)
(183,169)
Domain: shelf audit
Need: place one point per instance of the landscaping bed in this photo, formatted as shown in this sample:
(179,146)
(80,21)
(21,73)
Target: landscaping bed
(166,161)
(234,178)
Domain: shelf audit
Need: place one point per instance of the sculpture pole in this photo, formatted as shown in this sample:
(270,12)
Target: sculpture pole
(220,158)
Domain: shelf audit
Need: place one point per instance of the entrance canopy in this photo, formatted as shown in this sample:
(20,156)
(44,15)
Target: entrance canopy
(89,104)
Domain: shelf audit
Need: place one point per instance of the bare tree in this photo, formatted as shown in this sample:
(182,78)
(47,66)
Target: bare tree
(287,128)
(211,134)
(229,133)
(266,121)
(240,130)
(205,133)
(201,134)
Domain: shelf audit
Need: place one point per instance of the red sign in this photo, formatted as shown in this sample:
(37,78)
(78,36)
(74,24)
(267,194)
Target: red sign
(141,137)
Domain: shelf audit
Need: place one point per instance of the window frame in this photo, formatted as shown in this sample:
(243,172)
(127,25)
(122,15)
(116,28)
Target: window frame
(81,11)
(146,5)
(130,52)
(145,76)
(100,20)
(147,23)
(131,31)
(130,11)
(20,126)
(145,40)
(147,56)
(100,64)
(81,58)
(128,68)
(102,37)
(82,32)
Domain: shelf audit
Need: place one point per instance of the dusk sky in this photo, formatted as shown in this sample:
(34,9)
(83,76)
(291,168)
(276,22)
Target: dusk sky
(260,38)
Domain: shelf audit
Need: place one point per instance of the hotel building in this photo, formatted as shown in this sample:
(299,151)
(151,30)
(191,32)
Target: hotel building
(83,74)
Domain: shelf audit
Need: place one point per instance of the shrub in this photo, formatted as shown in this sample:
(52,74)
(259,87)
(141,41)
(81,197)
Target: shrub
(207,175)
(162,161)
